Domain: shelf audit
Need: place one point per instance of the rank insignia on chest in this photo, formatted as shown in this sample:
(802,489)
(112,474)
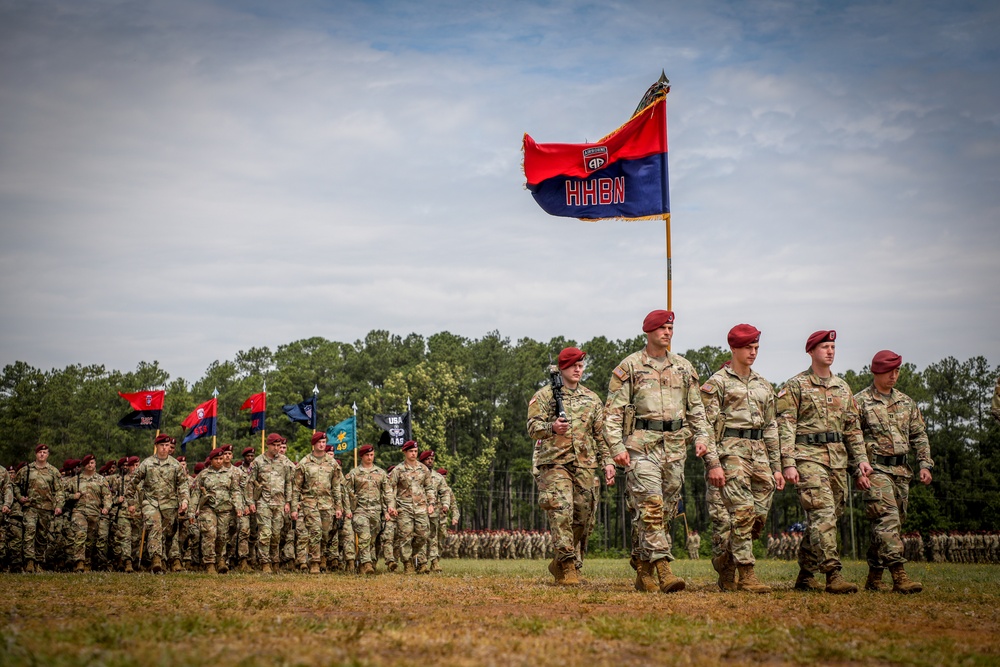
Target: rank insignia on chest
(829,399)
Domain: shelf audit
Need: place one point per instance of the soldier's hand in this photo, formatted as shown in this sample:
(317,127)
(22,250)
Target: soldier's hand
(925,477)
(430,510)
(104,511)
(252,508)
(58,511)
(120,500)
(622,459)
(862,483)
(349,515)
(454,522)
(560,426)
(779,481)
(76,496)
(183,507)
(24,500)
(392,513)
(865,469)
(609,475)
(295,516)
(287,508)
(700,449)
(131,509)
(338,513)
(716,477)
(791,473)
(5,510)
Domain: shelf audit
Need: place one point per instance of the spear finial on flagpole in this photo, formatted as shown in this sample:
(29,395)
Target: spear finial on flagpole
(315,394)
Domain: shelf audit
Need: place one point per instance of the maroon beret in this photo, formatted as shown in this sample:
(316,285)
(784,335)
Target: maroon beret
(742,335)
(215,453)
(409,444)
(317,436)
(181,459)
(657,319)
(238,463)
(442,472)
(569,356)
(331,448)
(364,449)
(248,450)
(426,454)
(132,460)
(122,461)
(40,446)
(199,466)
(226,448)
(820,337)
(390,469)
(276,439)
(886,361)
(162,439)
(86,459)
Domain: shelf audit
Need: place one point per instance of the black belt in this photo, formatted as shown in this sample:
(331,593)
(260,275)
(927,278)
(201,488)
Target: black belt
(898,460)
(819,438)
(654,425)
(746,433)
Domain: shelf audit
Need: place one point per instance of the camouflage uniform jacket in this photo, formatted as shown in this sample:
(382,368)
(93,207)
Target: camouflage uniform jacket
(891,426)
(660,391)
(6,490)
(95,495)
(442,493)
(411,486)
(810,404)
(583,445)
(741,403)
(162,483)
(368,490)
(317,483)
(269,481)
(452,502)
(45,488)
(218,489)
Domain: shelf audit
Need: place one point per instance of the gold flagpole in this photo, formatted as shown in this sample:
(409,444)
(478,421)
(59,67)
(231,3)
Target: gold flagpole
(263,391)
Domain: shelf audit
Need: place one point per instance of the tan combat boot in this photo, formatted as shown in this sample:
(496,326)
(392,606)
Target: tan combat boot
(266,569)
(29,568)
(749,581)
(128,566)
(243,566)
(901,583)
(724,565)
(435,566)
(555,569)
(408,566)
(570,576)
(322,563)
(423,568)
(874,580)
(79,566)
(806,581)
(645,582)
(350,566)
(175,565)
(836,584)
(314,568)
(223,567)
(210,568)
(367,569)
(303,568)
(157,567)
(392,565)
(669,582)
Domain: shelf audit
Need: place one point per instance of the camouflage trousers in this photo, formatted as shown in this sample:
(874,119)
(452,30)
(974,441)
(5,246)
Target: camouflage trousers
(747,495)
(214,527)
(653,485)
(314,536)
(341,544)
(161,525)
(37,524)
(568,495)
(270,523)
(412,531)
(388,541)
(13,536)
(722,523)
(89,535)
(885,507)
(367,526)
(432,551)
(239,536)
(822,494)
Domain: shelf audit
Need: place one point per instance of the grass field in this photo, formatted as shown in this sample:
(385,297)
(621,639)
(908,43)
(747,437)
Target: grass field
(493,613)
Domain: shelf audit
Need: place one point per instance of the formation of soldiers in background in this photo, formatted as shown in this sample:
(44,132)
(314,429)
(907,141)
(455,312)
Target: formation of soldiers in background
(982,546)
(498,544)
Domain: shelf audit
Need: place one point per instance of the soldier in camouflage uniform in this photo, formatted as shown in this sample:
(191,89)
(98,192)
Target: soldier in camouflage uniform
(741,413)
(892,425)
(653,407)
(316,495)
(218,501)
(569,449)
(411,502)
(42,502)
(816,416)
(368,490)
(269,492)
(164,490)
(6,507)
(448,498)
(342,548)
(89,535)
(443,494)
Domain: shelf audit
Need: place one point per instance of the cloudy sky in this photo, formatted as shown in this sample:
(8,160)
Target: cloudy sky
(183,180)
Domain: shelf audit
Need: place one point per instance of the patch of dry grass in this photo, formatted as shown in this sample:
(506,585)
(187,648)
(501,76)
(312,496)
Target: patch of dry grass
(486,612)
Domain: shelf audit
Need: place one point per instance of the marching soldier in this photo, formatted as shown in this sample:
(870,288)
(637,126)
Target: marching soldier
(653,407)
(741,413)
(269,492)
(164,489)
(411,501)
(40,492)
(368,490)
(892,425)
(569,449)
(217,501)
(89,517)
(316,496)
(817,418)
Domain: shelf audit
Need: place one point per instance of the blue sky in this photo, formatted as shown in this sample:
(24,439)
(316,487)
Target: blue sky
(183,180)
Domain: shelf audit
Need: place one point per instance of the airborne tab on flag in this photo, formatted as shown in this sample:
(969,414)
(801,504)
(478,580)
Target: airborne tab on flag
(623,176)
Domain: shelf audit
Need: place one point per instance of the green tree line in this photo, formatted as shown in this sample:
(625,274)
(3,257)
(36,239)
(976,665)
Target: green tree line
(469,400)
